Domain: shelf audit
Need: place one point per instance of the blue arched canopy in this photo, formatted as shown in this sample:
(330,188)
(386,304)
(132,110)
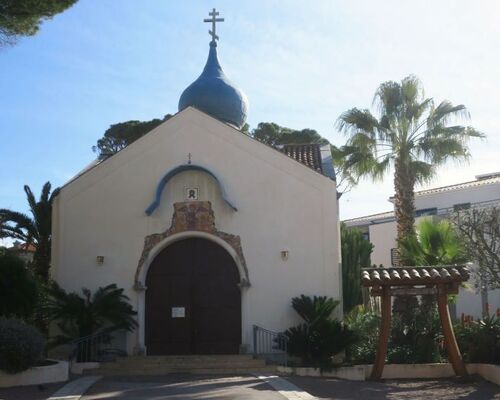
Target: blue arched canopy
(177,170)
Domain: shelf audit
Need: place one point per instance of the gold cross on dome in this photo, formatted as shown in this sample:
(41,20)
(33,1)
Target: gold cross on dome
(213,20)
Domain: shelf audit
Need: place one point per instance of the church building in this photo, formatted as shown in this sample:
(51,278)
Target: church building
(207,229)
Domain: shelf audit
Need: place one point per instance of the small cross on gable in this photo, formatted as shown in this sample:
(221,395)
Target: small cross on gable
(214,13)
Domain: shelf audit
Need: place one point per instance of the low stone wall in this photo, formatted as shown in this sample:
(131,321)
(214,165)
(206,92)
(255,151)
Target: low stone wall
(57,372)
(489,372)
(413,371)
(354,373)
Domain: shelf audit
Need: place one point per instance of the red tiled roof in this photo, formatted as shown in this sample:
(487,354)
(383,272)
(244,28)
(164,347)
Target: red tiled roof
(402,276)
(307,154)
(30,248)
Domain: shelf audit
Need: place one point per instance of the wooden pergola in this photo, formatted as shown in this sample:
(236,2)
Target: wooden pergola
(416,281)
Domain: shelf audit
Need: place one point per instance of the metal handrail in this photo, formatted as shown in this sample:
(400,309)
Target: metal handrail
(270,345)
(88,348)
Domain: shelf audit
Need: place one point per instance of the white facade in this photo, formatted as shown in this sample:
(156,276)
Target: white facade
(381,229)
(281,204)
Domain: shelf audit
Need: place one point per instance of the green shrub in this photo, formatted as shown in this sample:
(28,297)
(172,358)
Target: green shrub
(21,345)
(356,252)
(415,338)
(365,325)
(18,289)
(479,341)
(321,336)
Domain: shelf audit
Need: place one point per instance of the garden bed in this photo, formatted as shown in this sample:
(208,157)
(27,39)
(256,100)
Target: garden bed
(49,372)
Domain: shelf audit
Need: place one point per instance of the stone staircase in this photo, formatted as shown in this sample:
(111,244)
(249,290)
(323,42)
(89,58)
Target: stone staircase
(193,364)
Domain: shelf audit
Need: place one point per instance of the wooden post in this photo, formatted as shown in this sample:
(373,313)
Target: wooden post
(383,339)
(449,336)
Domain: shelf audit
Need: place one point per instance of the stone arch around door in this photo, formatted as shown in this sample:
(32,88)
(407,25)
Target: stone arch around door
(190,220)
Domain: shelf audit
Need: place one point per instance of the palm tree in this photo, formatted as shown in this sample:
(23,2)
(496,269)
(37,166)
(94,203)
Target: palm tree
(36,230)
(78,316)
(436,243)
(411,134)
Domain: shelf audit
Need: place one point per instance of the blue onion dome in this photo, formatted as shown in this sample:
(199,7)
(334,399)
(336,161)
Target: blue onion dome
(215,94)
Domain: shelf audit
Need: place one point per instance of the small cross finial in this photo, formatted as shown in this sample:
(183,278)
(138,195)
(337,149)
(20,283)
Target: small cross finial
(213,20)
(189,158)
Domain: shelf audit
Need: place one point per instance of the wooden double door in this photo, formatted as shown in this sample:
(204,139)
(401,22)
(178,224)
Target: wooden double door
(193,301)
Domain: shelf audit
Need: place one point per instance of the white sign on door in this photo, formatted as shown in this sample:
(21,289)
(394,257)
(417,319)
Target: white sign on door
(178,312)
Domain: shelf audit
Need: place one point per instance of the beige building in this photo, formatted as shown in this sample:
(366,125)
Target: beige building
(438,202)
(208,230)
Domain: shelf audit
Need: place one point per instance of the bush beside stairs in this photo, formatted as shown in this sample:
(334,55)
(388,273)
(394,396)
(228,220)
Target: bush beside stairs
(195,364)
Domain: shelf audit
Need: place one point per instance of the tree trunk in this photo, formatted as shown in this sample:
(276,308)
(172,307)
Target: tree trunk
(404,210)
(404,199)
(41,260)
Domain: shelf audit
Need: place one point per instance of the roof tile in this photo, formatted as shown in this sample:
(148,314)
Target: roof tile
(307,154)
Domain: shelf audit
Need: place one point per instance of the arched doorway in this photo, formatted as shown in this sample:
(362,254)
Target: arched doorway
(193,301)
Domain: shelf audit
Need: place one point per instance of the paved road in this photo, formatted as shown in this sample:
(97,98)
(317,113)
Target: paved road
(442,389)
(34,392)
(182,387)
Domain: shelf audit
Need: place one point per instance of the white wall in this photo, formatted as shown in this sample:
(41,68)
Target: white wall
(449,198)
(383,238)
(281,205)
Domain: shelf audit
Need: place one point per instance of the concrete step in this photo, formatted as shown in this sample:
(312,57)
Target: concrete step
(218,364)
(199,358)
(165,371)
(200,364)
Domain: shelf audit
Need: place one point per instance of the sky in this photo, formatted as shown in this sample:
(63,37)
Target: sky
(301,65)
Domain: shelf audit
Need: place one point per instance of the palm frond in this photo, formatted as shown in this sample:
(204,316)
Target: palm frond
(81,315)
(14,233)
(31,199)
(313,309)
(456,131)
(53,195)
(438,150)
(19,225)
(434,244)
(415,111)
(113,306)
(444,112)
(356,120)
(365,161)
(388,99)
(44,196)
(422,171)
(411,90)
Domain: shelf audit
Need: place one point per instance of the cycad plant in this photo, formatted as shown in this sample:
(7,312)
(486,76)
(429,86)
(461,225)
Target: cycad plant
(410,133)
(107,309)
(35,229)
(321,336)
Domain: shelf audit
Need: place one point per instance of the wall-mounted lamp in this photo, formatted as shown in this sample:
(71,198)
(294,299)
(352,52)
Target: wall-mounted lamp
(99,260)
(285,254)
